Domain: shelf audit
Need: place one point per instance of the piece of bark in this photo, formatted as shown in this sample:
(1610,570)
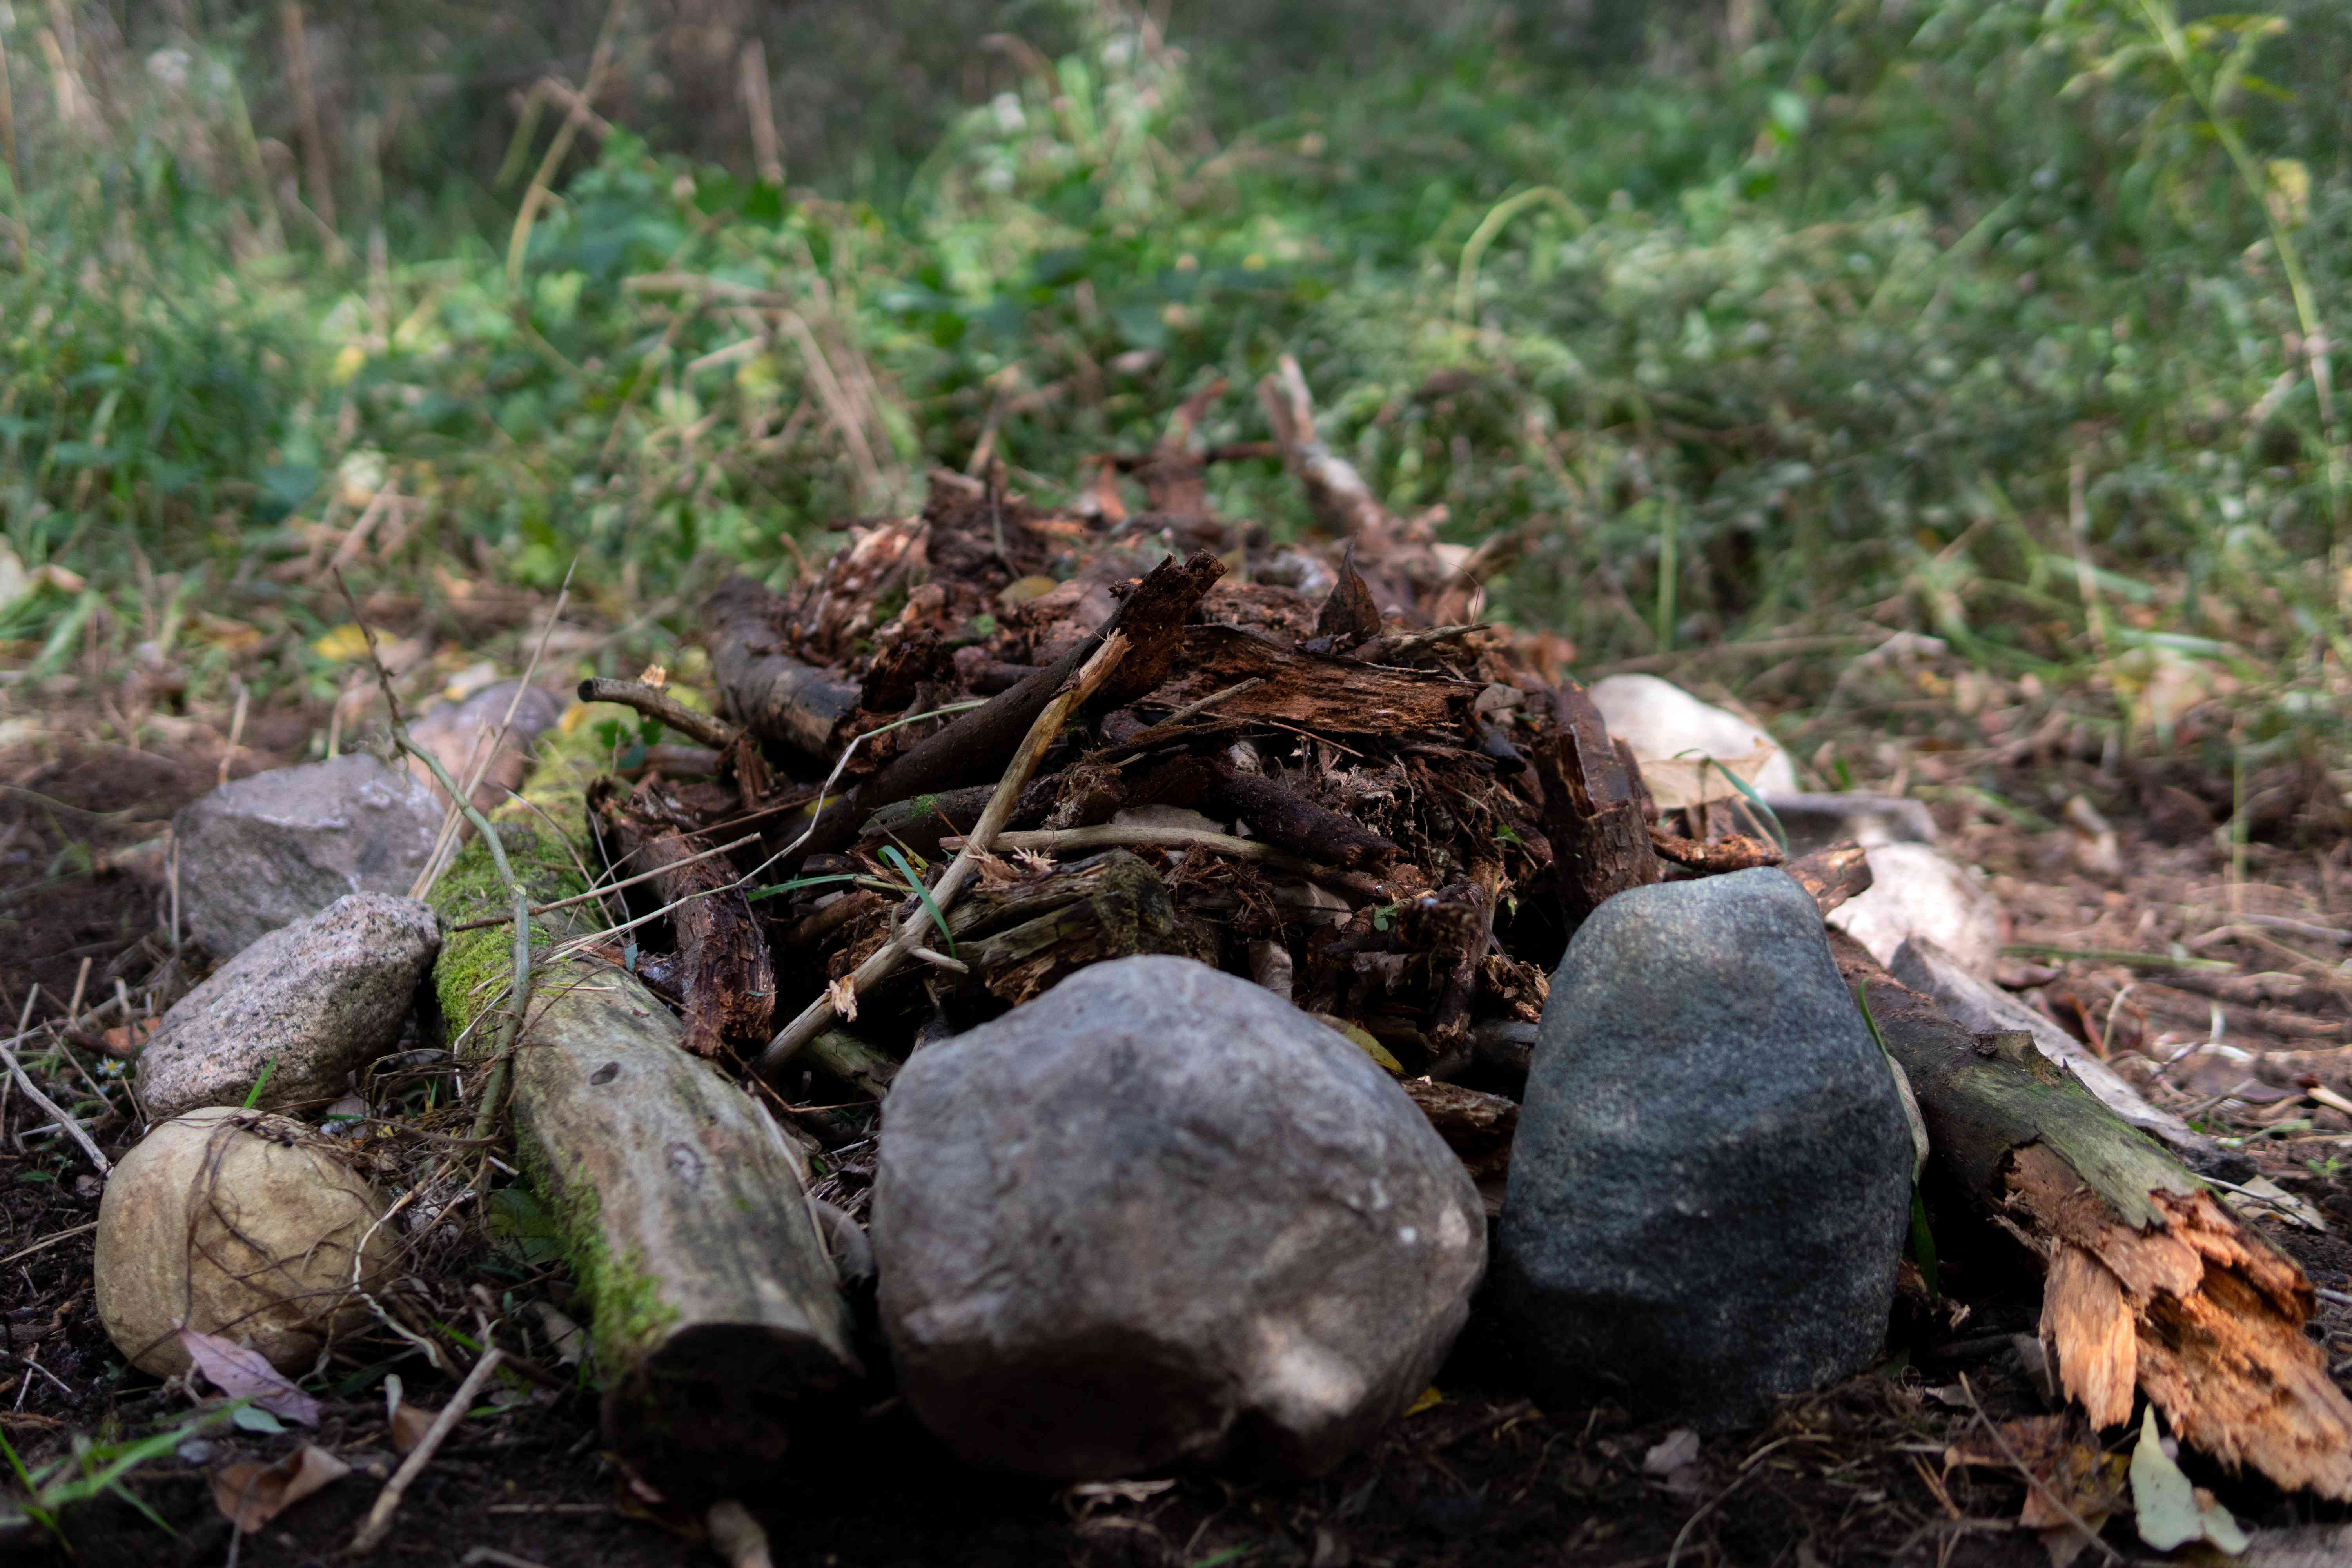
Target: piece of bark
(1592,810)
(1331,696)
(1732,852)
(976,744)
(774,695)
(1831,874)
(678,1205)
(1478,1127)
(1453,926)
(1349,615)
(1280,814)
(2216,1314)
(901,668)
(727,975)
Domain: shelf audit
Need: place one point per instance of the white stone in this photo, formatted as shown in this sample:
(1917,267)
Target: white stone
(1660,721)
(1918,891)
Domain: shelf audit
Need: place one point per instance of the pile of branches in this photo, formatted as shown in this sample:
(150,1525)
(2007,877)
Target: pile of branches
(983,747)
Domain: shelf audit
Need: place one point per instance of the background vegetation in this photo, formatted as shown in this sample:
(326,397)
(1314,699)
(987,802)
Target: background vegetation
(1762,320)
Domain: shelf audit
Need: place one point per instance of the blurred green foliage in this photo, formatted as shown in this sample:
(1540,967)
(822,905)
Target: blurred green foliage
(1828,304)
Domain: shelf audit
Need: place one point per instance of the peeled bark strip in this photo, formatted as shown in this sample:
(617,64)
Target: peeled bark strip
(725,969)
(679,1206)
(2152,1282)
(775,696)
(1832,874)
(1592,810)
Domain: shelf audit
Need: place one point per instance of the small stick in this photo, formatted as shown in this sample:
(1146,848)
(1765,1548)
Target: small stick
(388,1501)
(65,1123)
(235,733)
(708,729)
(1046,729)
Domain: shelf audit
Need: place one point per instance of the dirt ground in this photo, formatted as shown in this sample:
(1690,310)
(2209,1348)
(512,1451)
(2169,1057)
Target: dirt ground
(1855,1475)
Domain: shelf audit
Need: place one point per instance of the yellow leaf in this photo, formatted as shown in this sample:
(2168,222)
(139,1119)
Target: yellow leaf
(1365,1042)
(345,643)
(2290,192)
(1429,1399)
(349,361)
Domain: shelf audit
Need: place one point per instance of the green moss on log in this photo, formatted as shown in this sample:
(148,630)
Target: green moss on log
(472,971)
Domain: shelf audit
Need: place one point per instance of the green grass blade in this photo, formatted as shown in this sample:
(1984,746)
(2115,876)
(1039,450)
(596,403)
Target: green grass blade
(890,853)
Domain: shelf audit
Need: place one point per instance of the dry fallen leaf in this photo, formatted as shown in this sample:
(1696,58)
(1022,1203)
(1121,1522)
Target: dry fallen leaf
(242,1374)
(250,1495)
(123,1041)
(409,1425)
(843,997)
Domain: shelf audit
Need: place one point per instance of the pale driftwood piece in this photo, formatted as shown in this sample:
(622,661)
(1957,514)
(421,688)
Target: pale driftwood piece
(678,1203)
(2152,1283)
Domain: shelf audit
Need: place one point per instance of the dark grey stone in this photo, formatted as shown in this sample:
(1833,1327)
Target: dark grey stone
(1816,821)
(321,999)
(1159,1214)
(1710,1184)
(262,852)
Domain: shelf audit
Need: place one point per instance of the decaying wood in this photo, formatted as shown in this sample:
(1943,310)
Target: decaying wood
(1831,874)
(1319,692)
(1064,841)
(1479,1127)
(852,1063)
(976,744)
(1591,811)
(776,697)
(1281,816)
(727,975)
(676,1202)
(1984,1008)
(2151,1282)
(1123,910)
(1044,730)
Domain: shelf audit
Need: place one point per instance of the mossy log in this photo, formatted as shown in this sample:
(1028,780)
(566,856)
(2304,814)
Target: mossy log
(680,1207)
(2152,1284)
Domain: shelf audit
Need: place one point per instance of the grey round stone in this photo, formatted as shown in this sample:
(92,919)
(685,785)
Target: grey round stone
(263,852)
(1160,1214)
(321,999)
(1710,1182)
